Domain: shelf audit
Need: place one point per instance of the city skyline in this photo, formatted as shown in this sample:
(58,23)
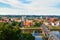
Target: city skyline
(29,7)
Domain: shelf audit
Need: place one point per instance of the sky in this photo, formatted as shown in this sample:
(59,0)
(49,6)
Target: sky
(30,7)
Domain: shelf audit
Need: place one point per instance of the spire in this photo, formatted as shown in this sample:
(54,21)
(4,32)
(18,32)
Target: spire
(23,18)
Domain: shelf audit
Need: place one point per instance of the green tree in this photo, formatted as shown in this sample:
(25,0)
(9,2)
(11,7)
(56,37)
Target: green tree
(16,23)
(27,36)
(38,24)
(8,32)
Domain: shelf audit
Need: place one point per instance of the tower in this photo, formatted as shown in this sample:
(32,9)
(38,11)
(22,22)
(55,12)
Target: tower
(41,17)
(23,19)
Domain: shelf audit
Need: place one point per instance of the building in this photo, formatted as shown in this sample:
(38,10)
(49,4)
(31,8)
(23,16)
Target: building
(28,23)
(16,19)
(23,19)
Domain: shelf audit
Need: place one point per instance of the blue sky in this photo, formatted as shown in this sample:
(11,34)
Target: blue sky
(4,5)
(25,1)
(29,7)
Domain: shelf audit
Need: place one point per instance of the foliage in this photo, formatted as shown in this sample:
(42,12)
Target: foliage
(38,24)
(8,32)
(16,23)
(45,38)
(27,36)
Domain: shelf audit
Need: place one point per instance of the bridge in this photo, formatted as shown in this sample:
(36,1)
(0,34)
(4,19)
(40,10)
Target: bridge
(47,33)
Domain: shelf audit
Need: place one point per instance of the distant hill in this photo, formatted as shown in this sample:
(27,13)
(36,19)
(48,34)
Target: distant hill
(28,16)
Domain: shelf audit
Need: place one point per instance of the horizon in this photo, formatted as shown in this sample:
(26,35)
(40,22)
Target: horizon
(29,15)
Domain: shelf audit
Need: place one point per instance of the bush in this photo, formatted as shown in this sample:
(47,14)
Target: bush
(45,38)
(38,24)
(8,32)
(16,24)
(27,36)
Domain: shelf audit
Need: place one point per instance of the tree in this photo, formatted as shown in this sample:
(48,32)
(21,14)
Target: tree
(27,36)
(8,32)
(16,23)
(38,24)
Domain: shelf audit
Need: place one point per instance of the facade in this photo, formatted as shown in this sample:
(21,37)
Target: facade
(23,19)
(28,23)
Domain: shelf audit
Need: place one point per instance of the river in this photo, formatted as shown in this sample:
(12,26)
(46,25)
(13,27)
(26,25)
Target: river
(57,33)
(37,36)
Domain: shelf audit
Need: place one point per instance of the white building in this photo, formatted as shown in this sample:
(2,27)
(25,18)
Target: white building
(55,24)
(52,24)
(46,23)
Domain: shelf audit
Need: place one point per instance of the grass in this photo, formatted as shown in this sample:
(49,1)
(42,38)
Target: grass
(32,27)
(54,27)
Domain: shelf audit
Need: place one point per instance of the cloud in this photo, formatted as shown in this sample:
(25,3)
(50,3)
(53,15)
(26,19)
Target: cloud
(30,7)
